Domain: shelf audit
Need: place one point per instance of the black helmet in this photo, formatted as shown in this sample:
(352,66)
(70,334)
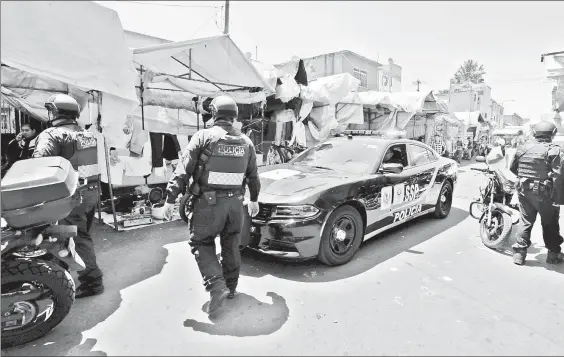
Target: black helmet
(544,128)
(62,106)
(224,107)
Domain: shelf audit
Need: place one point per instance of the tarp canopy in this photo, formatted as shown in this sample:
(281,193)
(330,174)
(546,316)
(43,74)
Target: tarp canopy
(508,132)
(204,67)
(450,119)
(470,118)
(76,46)
(410,102)
(67,43)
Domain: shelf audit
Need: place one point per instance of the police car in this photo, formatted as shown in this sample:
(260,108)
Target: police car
(331,197)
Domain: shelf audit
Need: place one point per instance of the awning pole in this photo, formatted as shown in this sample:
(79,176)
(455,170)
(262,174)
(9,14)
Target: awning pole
(190,63)
(141,90)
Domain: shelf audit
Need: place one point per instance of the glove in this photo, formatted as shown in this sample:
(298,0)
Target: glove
(253,208)
(168,210)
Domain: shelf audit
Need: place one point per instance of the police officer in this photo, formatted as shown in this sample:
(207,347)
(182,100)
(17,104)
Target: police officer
(537,163)
(221,161)
(66,138)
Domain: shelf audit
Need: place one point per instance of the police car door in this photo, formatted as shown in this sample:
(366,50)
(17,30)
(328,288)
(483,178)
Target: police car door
(396,192)
(424,167)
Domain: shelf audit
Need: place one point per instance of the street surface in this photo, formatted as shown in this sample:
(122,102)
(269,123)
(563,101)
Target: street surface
(430,288)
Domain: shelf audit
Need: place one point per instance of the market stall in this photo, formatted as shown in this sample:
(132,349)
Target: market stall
(92,64)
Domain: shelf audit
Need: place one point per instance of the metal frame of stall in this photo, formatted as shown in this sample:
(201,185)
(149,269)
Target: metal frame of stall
(142,88)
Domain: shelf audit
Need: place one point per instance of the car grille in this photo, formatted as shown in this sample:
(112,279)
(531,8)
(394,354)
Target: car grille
(265,212)
(281,246)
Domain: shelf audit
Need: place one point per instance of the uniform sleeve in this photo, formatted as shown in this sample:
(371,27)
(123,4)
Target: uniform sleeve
(185,169)
(46,145)
(555,156)
(251,175)
(514,166)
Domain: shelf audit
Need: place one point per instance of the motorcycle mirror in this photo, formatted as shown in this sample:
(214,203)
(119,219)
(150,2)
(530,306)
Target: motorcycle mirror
(480,159)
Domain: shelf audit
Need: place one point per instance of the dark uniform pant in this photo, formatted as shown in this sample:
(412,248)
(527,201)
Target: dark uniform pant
(208,220)
(82,217)
(530,204)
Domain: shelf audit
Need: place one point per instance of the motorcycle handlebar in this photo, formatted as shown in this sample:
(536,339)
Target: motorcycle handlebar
(481,170)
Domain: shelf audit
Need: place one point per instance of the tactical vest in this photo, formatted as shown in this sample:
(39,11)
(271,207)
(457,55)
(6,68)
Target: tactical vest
(85,156)
(533,164)
(227,164)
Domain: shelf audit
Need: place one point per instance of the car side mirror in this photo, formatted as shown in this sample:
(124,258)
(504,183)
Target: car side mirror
(391,168)
(480,159)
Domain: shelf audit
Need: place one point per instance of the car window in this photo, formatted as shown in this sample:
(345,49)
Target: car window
(396,154)
(421,155)
(357,157)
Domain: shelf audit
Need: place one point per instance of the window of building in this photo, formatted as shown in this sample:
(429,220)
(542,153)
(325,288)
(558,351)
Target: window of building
(362,76)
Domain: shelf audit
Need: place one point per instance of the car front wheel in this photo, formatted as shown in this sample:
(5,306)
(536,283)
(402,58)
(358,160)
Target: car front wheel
(341,237)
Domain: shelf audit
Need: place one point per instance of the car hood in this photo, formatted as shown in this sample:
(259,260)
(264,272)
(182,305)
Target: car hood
(287,183)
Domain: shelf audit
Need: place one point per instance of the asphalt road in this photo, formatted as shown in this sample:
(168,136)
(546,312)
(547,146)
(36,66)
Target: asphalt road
(430,288)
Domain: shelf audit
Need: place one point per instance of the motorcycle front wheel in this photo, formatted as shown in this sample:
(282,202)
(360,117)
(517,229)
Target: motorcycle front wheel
(36,296)
(496,234)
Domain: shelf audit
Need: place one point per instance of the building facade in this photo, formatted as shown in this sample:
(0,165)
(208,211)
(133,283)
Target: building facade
(372,75)
(497,114)
(513,120)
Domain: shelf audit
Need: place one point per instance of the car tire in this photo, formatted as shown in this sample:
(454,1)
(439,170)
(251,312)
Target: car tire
(444,201)
(345,219)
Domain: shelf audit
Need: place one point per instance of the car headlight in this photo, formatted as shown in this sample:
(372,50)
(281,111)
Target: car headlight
(303,211)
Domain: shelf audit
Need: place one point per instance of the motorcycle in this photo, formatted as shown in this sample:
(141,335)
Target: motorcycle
(497,214)
(37,290)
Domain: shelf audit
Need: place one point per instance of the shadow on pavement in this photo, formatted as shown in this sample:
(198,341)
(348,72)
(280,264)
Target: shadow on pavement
(244,316)
(372,252)
(119,256)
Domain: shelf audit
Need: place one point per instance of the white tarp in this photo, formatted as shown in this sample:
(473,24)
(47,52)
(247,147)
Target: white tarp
(470,119)
(327,115)
(212,59)
(410,102)
(331,89)
(402,107)
(78,43)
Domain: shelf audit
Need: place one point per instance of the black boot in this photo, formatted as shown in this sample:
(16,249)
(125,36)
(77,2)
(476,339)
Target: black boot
(216,299)
(89,289)
(232,294)
(519,255)
(554,258)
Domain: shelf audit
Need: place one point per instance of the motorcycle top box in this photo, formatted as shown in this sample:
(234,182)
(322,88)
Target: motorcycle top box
(38,191)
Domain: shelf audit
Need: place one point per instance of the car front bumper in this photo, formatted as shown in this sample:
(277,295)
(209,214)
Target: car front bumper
(287,238)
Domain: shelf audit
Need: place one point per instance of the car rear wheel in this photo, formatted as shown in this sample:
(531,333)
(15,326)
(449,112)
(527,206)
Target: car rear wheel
(444,202)
(341,237)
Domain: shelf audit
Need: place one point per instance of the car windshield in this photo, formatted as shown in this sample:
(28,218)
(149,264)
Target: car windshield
(357,157)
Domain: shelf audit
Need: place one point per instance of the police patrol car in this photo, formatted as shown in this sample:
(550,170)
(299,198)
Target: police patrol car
(331,197)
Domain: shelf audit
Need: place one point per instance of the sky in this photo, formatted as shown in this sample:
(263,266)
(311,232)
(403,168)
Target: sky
(430,40)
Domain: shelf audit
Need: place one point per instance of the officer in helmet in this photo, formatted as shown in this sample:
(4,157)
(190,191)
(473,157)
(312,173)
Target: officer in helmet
(67,139)
(537,163)
(220,161)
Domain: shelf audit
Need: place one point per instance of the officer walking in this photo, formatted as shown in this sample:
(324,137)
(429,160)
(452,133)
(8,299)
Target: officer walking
(537,164)
(67,139)
(221,161)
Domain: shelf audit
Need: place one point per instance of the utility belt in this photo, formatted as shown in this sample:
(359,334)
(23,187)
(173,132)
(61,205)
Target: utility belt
(536,186)
(211,196)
